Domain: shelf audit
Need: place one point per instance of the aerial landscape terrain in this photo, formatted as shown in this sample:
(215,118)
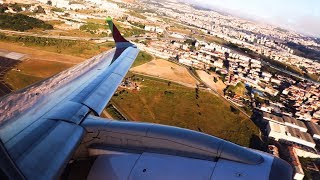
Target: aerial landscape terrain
(251,83)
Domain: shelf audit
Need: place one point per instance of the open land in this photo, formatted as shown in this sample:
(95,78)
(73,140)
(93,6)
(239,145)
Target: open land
(167,70)
(5,65)
(156,102)
(177,105)
(38,65)
(209,80)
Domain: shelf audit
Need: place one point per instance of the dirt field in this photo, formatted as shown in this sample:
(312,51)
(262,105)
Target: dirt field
(167,70)
(208,79)
(36,65)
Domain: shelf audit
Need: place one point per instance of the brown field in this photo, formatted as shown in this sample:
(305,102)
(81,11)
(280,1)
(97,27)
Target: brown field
(38,65)
(180,30)
(167,70)
(208,79)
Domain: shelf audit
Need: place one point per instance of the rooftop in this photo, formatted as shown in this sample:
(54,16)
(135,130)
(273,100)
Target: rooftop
(293,121)
(272,117)
(313,128)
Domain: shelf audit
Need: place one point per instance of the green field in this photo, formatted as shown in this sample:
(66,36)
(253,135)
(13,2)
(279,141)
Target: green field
(40,68)
(32,71)
(143,57)
(18,80)
(82,49)
(177,105)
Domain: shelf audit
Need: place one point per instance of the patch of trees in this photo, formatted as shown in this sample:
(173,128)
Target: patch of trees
(192,43)
(57,9)
(40,41)
(17,7)
(234,110)
(169,93)
(197,92)
(21,22)
(90,27)
(39,9)
(137,24)
(215,79)
(3,8)
(132,32)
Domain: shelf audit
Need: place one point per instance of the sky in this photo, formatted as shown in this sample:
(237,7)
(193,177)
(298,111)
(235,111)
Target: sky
(300,15)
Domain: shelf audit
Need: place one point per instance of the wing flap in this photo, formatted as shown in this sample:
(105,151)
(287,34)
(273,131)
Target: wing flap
(100,97)
(50,155)
(106,84)
(69,111)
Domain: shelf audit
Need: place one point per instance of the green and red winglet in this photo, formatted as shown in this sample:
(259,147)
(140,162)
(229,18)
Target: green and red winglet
(118,38)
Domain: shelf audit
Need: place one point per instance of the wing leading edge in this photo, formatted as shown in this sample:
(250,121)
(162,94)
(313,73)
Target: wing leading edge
(39,125)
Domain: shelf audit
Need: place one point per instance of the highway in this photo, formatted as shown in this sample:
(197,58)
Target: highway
(288,72)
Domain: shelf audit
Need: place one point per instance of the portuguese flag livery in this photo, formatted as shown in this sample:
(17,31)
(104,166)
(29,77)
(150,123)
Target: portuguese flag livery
(115,32)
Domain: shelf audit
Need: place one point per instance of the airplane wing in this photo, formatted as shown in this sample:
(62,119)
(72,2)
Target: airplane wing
(46,125)
(40,124)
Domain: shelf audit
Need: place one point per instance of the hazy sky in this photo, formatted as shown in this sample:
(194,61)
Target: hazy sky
(300,15)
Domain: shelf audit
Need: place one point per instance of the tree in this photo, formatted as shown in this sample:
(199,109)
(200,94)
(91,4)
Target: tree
(39,9)
(215,79)
(234,110)
(3,8)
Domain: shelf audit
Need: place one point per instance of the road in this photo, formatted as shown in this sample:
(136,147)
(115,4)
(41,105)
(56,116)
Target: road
(288,72)
(165,79)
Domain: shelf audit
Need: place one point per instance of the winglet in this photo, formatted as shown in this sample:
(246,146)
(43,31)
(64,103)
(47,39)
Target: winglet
(118,38)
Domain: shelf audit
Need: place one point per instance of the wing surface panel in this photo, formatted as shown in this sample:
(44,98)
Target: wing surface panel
(39,125)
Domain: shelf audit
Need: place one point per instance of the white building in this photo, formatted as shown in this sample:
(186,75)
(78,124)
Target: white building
(277,81)
(316,114)
(281,132)
(176,35)
(159,30)
(314,130)
(185,61)
(150,28)
(60,3)
(218,63)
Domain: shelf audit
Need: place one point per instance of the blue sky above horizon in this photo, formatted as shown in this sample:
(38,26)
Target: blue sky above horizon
(300,15)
